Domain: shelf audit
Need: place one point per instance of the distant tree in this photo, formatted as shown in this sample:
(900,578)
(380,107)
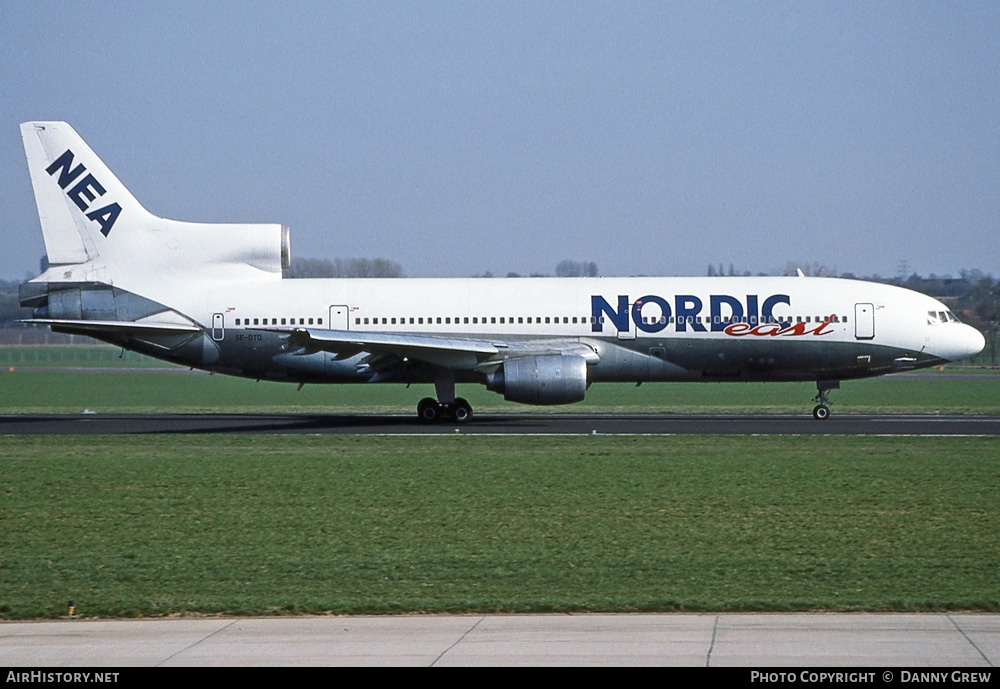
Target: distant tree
(383,268)
(575,269)
(814,269)
(310,268)
(11,310)
(343,268)
(980,305)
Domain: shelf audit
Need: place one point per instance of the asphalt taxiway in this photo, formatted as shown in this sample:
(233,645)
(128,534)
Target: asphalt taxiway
(708,640)
(520,424)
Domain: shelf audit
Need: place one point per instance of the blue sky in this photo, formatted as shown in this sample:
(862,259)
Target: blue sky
(458,138)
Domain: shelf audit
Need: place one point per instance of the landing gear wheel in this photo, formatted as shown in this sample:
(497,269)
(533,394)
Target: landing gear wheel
(462,411)
(821,411)
(428,410)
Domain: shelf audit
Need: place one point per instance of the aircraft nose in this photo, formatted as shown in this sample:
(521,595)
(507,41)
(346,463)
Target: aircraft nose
(954,341)
(966,341)
(977,342)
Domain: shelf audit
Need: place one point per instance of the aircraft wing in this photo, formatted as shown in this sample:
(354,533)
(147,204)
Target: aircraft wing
(447,352)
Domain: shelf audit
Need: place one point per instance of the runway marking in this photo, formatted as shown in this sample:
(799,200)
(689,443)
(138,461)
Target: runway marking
(669,435)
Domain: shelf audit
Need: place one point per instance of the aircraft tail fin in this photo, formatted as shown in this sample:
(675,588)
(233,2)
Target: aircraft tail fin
(95,230)
(80,201)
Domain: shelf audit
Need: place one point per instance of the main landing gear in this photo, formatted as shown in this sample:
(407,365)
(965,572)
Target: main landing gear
(821,411)
(446,407)
(429,410)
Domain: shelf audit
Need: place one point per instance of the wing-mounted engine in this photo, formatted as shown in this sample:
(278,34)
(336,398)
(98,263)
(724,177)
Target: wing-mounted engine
(542,380)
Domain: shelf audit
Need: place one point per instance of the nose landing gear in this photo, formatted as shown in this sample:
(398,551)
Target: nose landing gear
(821,411)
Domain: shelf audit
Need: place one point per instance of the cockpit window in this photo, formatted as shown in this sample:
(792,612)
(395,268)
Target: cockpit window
(935,317)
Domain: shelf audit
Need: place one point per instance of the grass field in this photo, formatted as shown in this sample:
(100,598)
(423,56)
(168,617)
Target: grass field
(132,392)
(85,355)
(270,525)
(48,378)
(158,525)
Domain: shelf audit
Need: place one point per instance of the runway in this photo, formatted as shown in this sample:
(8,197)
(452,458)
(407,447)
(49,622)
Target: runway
(903,642)
(501,424)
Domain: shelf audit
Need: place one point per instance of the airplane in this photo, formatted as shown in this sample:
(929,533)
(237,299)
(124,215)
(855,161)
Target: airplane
(212,297)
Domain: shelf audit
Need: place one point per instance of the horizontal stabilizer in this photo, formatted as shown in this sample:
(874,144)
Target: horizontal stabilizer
(85,327)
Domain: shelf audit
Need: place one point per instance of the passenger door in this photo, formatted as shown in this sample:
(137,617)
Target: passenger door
(864,321)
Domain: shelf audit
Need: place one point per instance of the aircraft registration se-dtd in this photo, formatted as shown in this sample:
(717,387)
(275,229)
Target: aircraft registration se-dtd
(211,296)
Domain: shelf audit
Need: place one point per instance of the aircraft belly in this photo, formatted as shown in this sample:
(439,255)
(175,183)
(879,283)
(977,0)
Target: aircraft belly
(690,358)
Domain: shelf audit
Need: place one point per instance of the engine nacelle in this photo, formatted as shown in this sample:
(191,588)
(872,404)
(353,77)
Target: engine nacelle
(267,247)
(546,379)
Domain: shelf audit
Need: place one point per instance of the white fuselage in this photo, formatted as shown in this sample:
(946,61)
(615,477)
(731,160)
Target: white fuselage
(796,321)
